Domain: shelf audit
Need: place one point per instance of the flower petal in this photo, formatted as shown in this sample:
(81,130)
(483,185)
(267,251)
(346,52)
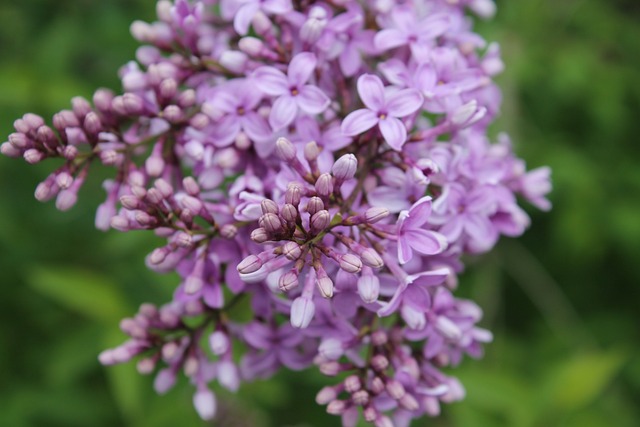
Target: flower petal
(391,198)
(389,39)
(359,121)
(350,60)
(225,131)
(419,213)
(283,112)
(371,91)
(405,253)
(301,67)
(276,7)
(394,132)
(271,81)
(404,102)
(312,100)
(256,127)
(426,242)
(243,17)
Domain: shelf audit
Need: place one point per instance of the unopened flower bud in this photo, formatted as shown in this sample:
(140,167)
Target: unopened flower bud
(345,167)
(259,235)
(184,240)
(292,251)
(219,343)
(288,281)
(285,149)
(33,156)
(311,151)
(251,45)
(371,258)
(375,214)
(249,265)
(269,206)
(377,385)
(336,407)
(326,395)
(395,389)
(314,205)
(350,263)
(379,362)
(360,398)
(324,185)
(409,402)
(289,213)
(302,312)
(293,194)
(352,383)
(228,231)
(271,223)
(320,221)
(368,288)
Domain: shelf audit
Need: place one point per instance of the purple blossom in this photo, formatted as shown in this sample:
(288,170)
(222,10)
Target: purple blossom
(291,90)
(272,189)
(383,109)
(412,236)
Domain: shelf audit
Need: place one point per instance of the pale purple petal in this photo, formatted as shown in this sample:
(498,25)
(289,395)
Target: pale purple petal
(271,81)
(389,39)
(395,301)
(312,100)
(359,121)
(333,139)
(276,7)
(434,26)
(389,197)
(395,71)
(404,102)
(426,79)
(394,132)
(243,17)
(350,60)
(371,91)
(301,68)
(452,229)
(283,112)
(225,131)
(419,213)
(256,127)
(426,242)
(479,228)
(405,253)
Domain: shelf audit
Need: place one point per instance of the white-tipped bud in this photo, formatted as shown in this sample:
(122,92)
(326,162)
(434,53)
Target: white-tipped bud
(315,205)
(351,263)
(302,312)
(352,383)
(219,343)
(288,281)
(291,250)
(325,285)
(259,235)
(375,214)
(320,221)
(371,258)
(269,206)
(368,288)
(250,264)
(326,395)
(285,149)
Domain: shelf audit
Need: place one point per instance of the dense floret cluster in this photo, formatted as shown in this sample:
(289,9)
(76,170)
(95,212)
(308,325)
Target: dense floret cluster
(326,161)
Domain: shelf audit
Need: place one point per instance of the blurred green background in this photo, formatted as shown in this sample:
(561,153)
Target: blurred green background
(562,301)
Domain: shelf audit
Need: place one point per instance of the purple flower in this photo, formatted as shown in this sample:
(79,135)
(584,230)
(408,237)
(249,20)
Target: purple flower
(234,105)
(383,109)
(406,30)
(291,90)
(246,10)
(411,235)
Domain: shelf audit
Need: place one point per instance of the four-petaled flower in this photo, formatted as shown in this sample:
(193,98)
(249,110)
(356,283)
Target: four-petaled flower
(383,109)
(291,90)
(412,236)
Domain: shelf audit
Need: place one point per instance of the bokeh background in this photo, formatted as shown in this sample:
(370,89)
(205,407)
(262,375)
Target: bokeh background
(562,301)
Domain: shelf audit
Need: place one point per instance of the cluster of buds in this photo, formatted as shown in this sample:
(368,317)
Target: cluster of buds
(327,161)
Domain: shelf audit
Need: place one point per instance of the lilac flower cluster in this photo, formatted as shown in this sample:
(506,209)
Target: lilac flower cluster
(326,161)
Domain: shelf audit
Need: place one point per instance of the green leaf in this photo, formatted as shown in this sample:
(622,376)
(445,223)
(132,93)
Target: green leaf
(84,292)
(580,380)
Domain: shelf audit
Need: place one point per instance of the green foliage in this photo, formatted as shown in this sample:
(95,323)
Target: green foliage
(562,301)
